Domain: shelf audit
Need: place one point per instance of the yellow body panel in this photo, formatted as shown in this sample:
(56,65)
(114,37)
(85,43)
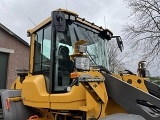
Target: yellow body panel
(96,106)
(69,101)
(34,92)
(136,81)
(16,84)
(133,80)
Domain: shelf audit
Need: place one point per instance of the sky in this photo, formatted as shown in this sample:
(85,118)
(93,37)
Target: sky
(19,16)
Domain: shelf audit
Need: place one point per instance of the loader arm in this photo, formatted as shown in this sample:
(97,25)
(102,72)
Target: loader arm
(132,99)
(153,88)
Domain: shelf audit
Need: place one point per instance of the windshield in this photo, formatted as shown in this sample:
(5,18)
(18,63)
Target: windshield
(96,46)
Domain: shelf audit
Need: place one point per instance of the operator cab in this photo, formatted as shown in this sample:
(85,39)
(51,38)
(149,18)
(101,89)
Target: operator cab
(53,43)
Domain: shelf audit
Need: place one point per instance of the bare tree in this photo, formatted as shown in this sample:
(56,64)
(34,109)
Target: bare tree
(144,33)
(114,57)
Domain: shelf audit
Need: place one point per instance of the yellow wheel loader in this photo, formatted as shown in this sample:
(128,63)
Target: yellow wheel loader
(68,77)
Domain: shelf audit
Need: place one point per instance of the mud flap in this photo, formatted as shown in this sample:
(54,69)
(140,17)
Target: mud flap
(133,100)
(13,110)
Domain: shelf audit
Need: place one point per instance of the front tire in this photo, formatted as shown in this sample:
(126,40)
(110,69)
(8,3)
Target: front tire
(123,116)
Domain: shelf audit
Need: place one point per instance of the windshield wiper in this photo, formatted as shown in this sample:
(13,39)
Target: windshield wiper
(77,38)
(91,58)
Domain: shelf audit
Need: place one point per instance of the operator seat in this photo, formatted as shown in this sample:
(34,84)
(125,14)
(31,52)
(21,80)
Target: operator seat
(65,66)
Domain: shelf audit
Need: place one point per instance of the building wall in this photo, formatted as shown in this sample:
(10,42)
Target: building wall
(18,59)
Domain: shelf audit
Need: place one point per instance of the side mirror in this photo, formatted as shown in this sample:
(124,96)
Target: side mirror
(58,21)
(120,43)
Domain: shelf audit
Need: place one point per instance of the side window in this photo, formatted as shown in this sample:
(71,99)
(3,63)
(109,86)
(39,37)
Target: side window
(46,45)
(42,49)
(65,40)
(38,49)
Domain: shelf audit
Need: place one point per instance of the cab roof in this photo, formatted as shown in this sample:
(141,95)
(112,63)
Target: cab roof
(81,20)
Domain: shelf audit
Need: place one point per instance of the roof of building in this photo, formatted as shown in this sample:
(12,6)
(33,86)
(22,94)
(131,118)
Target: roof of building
(11,33)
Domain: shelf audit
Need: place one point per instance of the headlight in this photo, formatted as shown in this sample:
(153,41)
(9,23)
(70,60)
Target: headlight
(82,63)
(82,48)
